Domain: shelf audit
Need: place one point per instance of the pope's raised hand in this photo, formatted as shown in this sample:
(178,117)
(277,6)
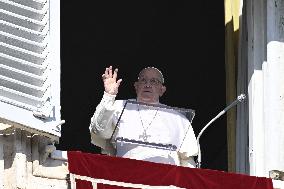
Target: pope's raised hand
(111,83)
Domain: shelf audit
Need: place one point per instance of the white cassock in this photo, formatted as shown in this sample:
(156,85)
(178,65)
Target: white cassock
(144,124)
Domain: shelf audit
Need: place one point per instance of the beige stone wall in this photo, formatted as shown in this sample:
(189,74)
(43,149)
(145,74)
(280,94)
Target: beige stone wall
(26,161)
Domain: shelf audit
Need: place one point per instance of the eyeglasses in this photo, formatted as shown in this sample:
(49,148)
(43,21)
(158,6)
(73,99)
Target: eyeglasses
(152,81)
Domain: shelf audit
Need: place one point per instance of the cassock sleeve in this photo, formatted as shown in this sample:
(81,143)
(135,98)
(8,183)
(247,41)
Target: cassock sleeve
(101,126)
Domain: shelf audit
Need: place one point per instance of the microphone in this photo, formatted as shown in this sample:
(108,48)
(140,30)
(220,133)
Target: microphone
(239,99)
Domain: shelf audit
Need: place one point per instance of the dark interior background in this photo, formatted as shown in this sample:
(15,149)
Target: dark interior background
(184,39)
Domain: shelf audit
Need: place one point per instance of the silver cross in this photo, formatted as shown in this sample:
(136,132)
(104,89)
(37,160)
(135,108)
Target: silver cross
(144,136)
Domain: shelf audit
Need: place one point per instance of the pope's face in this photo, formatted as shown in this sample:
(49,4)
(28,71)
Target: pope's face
(149,87)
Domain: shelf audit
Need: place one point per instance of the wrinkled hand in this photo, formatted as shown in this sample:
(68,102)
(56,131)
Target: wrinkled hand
(111,83)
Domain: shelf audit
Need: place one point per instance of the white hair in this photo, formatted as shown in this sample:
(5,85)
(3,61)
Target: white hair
(162,77)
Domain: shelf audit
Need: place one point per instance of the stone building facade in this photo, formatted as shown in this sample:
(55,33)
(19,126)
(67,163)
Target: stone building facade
(30,161)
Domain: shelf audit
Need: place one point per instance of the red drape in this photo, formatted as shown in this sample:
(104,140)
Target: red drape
(155,174)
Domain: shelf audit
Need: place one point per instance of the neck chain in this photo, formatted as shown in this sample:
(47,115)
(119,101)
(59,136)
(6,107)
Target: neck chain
(144,136)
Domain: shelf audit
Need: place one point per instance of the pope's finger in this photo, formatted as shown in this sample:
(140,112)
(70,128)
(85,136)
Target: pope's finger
(106,72)
(118,82)
(110,71)
(115,73)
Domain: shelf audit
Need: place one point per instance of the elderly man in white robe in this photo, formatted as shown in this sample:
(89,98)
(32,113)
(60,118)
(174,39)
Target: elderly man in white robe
(115,119)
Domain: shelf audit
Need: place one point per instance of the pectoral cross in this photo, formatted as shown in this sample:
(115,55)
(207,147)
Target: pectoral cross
(144,136)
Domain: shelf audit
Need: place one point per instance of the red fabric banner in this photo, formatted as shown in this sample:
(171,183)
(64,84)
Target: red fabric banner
(154,174)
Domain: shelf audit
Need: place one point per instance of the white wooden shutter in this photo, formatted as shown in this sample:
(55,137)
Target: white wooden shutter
(30,64)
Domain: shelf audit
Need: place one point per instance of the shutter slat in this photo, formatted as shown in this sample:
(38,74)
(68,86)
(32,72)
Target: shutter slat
(22,64)
(22,76)
(36,4)
(20,99)
(23,21)
(23,10)
(23,54)
(22,32)
(22,43)
(22,86)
